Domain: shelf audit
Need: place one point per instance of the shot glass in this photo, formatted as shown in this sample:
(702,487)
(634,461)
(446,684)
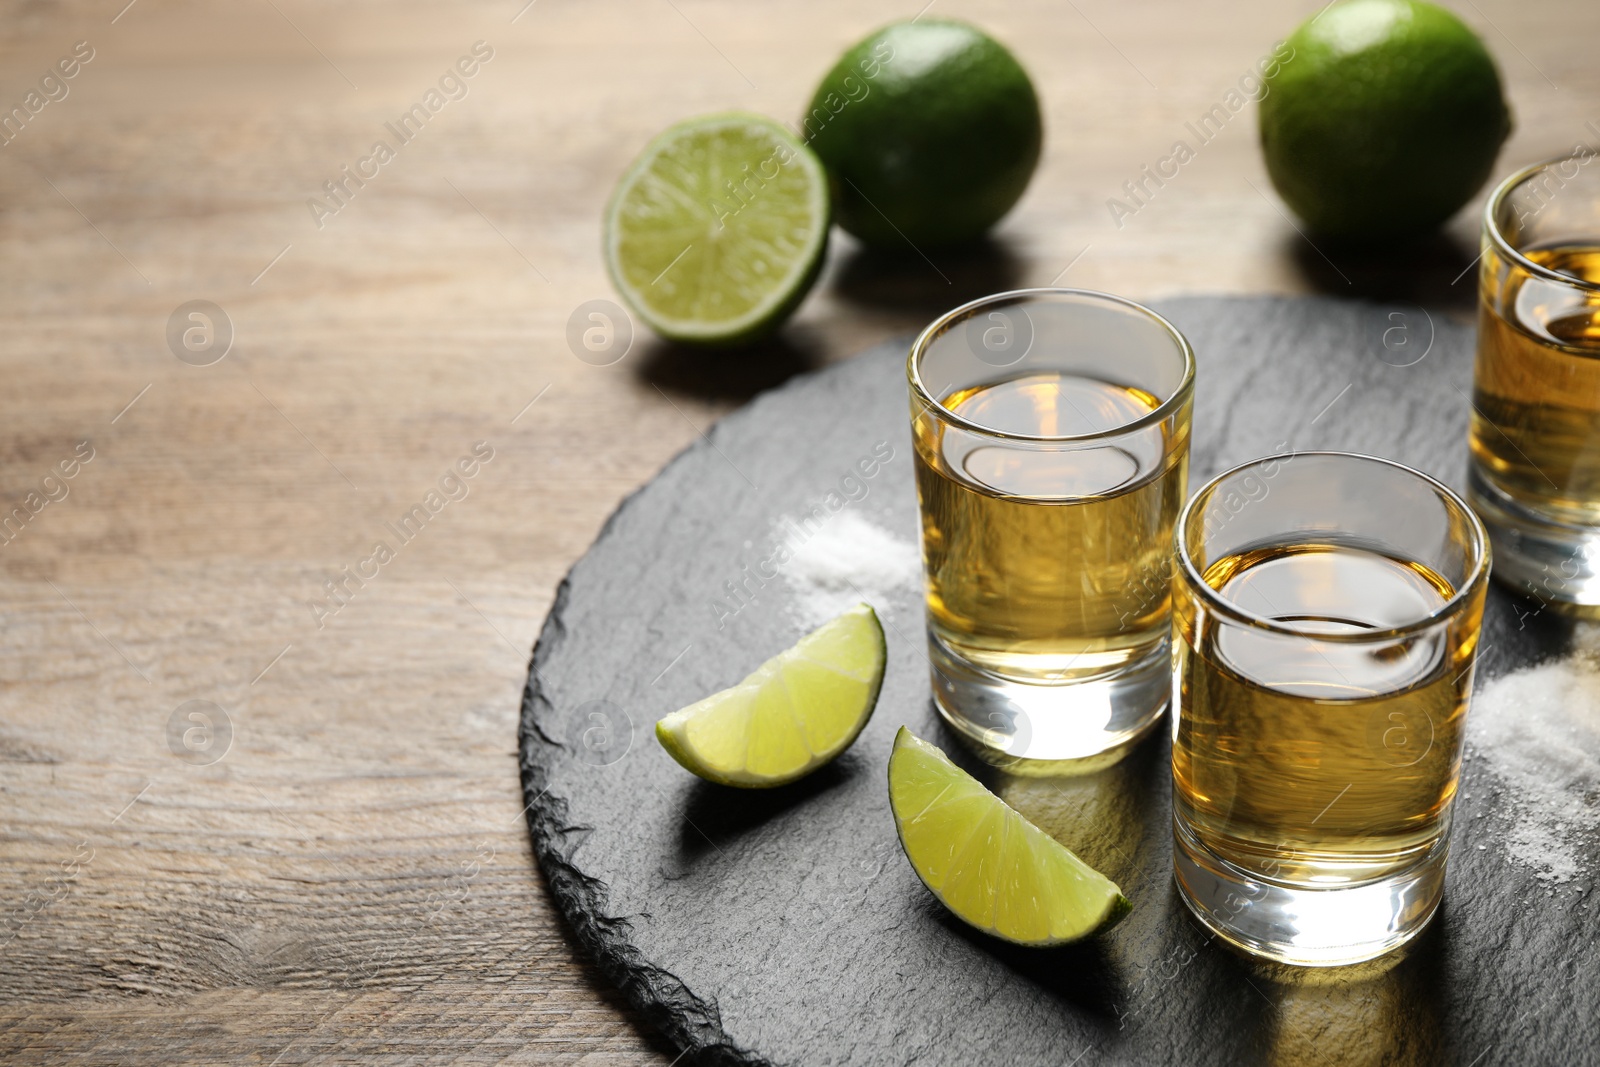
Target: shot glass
(1327,608)
(1051,431)
(1535,469)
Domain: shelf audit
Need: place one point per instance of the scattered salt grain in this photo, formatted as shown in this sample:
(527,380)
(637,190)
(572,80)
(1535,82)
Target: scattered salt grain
(1539,732)
(848,560)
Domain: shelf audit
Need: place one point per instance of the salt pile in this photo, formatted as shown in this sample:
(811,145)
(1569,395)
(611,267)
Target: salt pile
(848,560)
(1539,732)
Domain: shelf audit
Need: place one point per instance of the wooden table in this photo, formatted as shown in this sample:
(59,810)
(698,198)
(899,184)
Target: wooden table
(347,877)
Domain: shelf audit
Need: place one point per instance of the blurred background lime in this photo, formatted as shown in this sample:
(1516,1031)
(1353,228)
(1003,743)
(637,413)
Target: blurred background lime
(929,131)
(1386,120)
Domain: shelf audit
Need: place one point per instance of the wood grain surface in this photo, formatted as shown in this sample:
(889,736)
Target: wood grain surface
(347,876)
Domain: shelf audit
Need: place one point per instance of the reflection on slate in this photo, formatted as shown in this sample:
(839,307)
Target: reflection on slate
(786,927)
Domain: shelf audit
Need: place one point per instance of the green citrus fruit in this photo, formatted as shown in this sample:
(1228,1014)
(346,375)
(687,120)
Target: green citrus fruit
(717,231)
(794,713)
(1384,121)
(930,131)
(990,866)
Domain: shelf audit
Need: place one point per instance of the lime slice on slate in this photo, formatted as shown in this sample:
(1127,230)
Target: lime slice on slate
(989,865)
(794,713)
(717,231)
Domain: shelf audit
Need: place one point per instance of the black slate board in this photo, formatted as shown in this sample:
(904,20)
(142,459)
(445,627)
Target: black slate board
(786,927)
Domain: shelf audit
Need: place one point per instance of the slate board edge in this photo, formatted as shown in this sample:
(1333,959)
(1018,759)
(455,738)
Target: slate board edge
(659,996)
(665,1002)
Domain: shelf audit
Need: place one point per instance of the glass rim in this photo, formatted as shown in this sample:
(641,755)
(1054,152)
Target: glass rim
(939,326)
(1491,228)
(1221,605)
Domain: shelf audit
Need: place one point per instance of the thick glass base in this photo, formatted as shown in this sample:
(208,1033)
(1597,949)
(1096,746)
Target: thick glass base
(1553,561)
(1307,927)
(1072,727)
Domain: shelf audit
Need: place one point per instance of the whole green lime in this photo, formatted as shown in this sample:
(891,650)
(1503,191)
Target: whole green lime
(1385,119)
(929,131)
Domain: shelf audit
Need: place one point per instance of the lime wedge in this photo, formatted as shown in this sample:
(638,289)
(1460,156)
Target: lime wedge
(989,865)
(716,232)
(794,713)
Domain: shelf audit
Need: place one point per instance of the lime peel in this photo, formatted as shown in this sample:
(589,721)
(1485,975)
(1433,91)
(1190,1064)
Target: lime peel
(1384,118)
(930,129)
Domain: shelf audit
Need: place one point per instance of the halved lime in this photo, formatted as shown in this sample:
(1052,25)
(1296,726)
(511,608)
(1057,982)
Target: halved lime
(794,713)
(989,865)
(717,231)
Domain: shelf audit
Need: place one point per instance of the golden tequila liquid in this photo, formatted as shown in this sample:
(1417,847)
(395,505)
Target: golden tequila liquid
(1536,423)
(1316,763)
(1051,562)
